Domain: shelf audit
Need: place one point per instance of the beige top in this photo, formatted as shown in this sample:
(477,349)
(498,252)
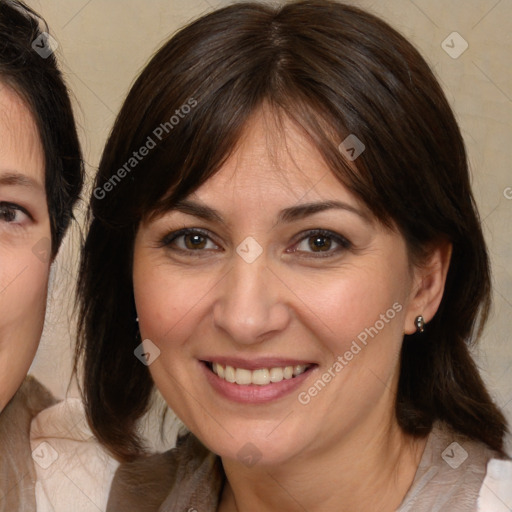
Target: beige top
(73,471)
(17,472)
(49,459)
(189,477)
(450,474)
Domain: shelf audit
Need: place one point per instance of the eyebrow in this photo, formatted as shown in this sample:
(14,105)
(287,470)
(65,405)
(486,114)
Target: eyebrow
(17,179)
(198,210)
(304,210)
(291,214)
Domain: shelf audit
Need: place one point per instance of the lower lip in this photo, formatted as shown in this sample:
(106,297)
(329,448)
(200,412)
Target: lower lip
(252,393)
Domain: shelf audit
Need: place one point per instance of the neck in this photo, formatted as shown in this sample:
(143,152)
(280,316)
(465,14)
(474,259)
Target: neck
(370,469)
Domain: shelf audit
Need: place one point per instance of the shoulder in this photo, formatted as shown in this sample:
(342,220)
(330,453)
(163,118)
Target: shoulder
(30,399)
(166,481)
(451,473)
(73,471)
(17,473)
(496,491)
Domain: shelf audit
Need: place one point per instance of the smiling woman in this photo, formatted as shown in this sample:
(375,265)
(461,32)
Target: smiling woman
(40,180)
(277,245)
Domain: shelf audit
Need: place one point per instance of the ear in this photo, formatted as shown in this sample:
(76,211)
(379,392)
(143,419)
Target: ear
(428,287)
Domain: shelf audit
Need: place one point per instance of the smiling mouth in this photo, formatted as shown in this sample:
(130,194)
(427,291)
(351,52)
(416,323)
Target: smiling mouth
(258,377)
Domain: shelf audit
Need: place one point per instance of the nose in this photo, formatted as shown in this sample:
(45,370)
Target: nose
(251,304)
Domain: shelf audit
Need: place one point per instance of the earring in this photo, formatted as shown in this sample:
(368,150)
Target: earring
(419,322)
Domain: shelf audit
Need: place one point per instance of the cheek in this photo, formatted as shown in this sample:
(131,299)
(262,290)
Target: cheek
(172,303)
(351,305)
(24,281)
(357,320)
(23,287)
(168,302)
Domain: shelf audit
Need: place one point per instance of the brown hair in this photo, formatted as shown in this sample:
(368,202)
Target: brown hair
(334,70)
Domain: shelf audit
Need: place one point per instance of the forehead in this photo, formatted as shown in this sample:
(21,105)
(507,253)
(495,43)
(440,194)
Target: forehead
(20,148)
(274,162)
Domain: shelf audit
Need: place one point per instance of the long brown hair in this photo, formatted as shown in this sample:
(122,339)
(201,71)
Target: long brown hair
(334,70)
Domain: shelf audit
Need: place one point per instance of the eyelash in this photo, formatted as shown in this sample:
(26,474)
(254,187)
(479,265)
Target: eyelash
(169,239)
(341,241)
(10,208)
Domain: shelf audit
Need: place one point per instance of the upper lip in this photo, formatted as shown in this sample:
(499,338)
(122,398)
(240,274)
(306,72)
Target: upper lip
(257,363)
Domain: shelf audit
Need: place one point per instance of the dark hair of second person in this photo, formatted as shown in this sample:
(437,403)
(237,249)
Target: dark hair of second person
(40,83)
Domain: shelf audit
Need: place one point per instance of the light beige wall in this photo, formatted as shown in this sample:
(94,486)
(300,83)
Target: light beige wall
(103,44)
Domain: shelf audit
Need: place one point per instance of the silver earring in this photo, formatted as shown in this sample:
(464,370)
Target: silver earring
(419,322)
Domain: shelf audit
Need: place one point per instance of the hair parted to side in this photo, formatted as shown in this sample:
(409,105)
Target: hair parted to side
(40,84)
(334,70)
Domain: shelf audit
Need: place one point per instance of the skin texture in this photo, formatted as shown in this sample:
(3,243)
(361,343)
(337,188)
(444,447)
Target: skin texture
(24,242)
(344,449)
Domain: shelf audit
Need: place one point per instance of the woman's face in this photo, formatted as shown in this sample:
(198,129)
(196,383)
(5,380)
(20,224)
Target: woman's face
(273,274)
(24,242)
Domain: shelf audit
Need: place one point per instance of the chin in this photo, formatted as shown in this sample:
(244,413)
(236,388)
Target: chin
(254,443)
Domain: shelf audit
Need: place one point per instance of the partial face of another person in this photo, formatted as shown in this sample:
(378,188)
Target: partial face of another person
(24,241)
(274,275)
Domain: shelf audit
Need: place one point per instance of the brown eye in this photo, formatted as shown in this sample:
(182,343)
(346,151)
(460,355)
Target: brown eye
(319,243)
(12,214)
(195,241)
(191,240)
(7,214)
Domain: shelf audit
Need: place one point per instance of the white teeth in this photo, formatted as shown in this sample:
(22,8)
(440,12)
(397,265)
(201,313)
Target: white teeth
(288,372)
(229,374)
(259,377)
(276,375)
(243,376)
(297,370)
